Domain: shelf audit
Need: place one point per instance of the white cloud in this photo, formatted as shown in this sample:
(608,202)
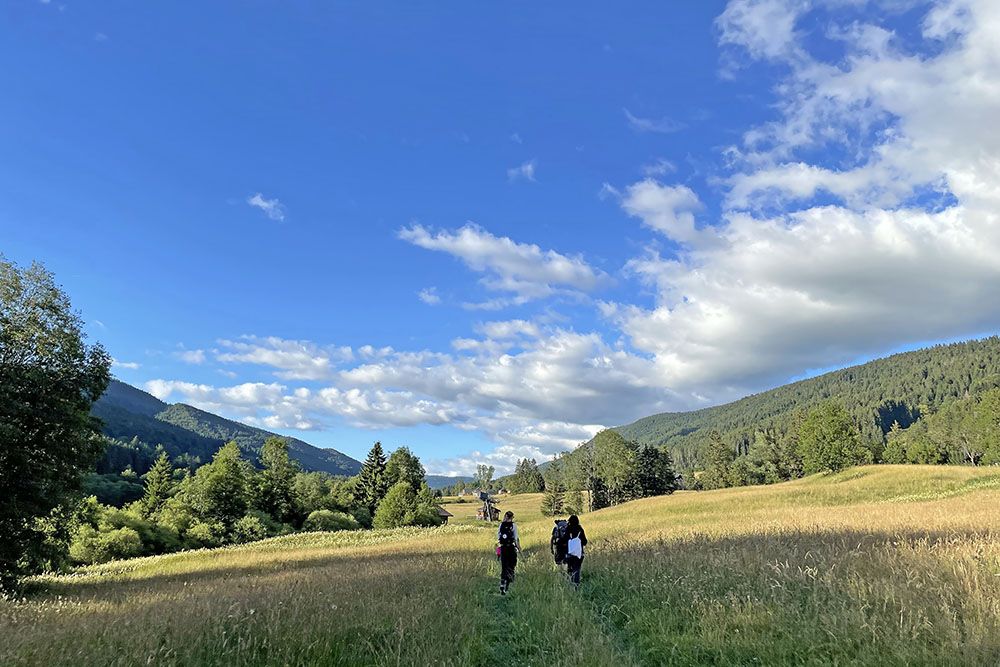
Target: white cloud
(131,365)
(659,125)
(667,209)
(516,138)
(192,356)
(272,208)
(524,171)
(430,296)
(523,269)
(909,251)
(293,359)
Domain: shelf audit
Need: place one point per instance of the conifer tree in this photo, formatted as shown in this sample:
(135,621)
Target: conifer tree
(372,482)
(159,485)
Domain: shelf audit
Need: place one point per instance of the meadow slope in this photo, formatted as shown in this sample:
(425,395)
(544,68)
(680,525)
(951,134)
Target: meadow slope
(882,564)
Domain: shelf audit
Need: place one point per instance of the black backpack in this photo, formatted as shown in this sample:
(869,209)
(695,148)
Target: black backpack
(506,534)
(559,536)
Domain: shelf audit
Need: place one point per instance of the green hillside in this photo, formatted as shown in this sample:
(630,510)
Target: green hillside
(898,388)
(881,565)
(127,413)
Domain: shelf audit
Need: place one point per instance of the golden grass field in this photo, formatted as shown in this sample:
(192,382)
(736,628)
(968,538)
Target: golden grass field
(887,565)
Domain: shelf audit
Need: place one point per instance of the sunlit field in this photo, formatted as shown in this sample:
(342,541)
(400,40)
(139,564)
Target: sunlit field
(880,565)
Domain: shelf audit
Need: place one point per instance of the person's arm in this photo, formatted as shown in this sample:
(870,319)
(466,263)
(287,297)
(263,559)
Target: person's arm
(517,538)
(583,536)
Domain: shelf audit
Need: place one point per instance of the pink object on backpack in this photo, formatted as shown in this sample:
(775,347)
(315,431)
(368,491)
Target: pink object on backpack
(498,552)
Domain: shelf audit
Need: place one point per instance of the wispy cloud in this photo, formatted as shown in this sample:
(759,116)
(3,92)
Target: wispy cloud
(272,208)
(663,125)
(523,172)
(130,365)
(658,167)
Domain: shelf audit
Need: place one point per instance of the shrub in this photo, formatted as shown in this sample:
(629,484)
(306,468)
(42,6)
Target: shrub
(91,546)
(249,529)
(201,534)
(327,520)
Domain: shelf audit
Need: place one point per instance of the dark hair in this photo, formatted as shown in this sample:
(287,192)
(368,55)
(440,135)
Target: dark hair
(508,515)
(574,520)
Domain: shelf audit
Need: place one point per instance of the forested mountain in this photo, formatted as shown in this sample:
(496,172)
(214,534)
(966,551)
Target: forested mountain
(187,433)
(899,388)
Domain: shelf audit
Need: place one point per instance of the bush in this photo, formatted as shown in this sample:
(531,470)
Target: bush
(201,534)
(425,515)
(249,529)
(327,520)
(91,546)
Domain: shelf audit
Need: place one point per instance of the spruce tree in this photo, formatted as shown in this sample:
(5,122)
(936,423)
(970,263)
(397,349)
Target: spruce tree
(372,481)
(552,501)
(159,485)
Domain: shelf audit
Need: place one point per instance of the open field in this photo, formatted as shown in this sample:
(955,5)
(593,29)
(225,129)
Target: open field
(884,564)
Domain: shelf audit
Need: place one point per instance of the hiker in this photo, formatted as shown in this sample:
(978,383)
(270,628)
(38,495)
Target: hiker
(508,546)
(576,540)
(557,545)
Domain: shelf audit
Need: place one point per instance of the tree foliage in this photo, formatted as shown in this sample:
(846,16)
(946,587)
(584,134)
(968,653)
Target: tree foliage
(404,466)
(373,482)
(829,440)
(49,378)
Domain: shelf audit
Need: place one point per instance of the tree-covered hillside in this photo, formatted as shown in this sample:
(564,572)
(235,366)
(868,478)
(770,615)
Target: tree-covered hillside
(129,414)
(877,394)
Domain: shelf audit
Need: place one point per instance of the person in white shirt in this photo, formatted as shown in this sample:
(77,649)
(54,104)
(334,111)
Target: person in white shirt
(576,540)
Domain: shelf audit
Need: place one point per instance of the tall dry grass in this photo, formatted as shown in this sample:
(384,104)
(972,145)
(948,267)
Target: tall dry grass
(878,565)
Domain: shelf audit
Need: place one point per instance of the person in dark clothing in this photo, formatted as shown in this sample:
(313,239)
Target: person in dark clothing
(576,540)
(508,546)
(557,545)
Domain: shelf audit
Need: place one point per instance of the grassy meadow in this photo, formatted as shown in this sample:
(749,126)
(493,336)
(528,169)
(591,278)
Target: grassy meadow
(894,565)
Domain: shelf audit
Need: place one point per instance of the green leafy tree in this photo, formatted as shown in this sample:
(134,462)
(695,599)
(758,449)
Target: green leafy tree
(829,440)
(484,475)
(372,483)
(222,489)
(159,486)
(615,465)
(276,494)
(49,378)
(555,490)
(404,466)
(397,508)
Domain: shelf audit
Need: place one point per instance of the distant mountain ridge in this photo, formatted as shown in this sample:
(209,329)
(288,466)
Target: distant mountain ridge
(897,388)
(127,412)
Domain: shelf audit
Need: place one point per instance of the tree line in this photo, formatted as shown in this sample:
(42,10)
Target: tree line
(50,377)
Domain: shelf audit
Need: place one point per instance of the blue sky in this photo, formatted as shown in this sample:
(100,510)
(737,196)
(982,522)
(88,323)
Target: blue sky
(485,232)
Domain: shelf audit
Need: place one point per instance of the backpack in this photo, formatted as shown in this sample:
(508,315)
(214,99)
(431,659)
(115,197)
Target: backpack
(506,534)
(559,536)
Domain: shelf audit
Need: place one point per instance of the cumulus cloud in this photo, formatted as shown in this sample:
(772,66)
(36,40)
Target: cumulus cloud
(272,208)
(523,269)
(523,172)
(910,249)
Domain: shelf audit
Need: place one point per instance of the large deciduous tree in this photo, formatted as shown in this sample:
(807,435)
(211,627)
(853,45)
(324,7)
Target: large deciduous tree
(404,466)
(829,440)
(49,377)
